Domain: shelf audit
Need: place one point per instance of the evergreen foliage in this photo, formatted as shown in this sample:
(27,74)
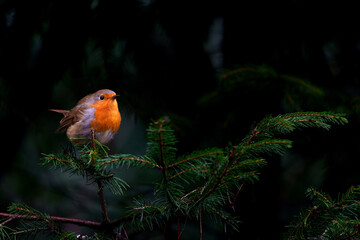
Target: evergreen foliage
(329,218)
(293,90)
(202,184)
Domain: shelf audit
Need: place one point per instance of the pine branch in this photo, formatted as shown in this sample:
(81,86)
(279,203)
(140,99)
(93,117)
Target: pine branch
(303,83)
(131,161)
(25,213)
(230,220)
(185,171)
(21,209)
(195,156)
(249,164)
(161,149)
(327,218)
(258,143)
(230,160)
(266,146)
(74,221)
(183,227)
(294,88)
(163,164)
(194,186)
(105,217)
(104,214)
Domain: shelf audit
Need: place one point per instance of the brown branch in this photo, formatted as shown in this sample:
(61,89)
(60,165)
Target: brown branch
(6,221)
(162,159)
(65,161)
(183,227)
(233,202)
(104,214)
(126,235)
(75,221)
(191,192)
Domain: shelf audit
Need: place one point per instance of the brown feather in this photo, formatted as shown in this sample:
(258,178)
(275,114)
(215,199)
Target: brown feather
(60,111)
(66,121)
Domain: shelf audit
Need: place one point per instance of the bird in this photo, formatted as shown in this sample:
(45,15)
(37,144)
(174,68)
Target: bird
(97,112)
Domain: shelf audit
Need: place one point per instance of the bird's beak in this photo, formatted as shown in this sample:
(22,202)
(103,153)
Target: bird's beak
(115,96)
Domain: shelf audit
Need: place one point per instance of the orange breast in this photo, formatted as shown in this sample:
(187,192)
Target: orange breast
(107,116)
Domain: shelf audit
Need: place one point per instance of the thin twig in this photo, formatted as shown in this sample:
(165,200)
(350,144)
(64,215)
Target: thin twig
(162,160)
(104,214)
(105,217)
(126,235)
(233,202)
(182,229)
(65,161)
(75,221)
(6,221)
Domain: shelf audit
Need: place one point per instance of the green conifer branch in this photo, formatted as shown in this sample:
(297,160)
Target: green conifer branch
(294,88)
(200,184)
(4,230)
(248,164)
(327,218)
(120,160)
(41,222)
(28,212)
(195,156)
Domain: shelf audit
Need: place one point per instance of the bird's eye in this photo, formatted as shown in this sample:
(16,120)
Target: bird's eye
(102,97)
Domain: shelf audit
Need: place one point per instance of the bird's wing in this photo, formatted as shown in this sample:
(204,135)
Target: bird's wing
(70,116)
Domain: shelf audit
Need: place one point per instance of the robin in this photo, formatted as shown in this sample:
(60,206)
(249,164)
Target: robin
(98,112)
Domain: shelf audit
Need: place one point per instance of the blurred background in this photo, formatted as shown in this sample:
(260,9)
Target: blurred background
(215,68)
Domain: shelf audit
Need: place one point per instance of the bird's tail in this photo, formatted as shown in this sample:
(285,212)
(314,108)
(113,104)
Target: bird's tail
(64,123)
(60,111)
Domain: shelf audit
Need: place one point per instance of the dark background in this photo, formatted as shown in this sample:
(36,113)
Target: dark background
(165,58)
